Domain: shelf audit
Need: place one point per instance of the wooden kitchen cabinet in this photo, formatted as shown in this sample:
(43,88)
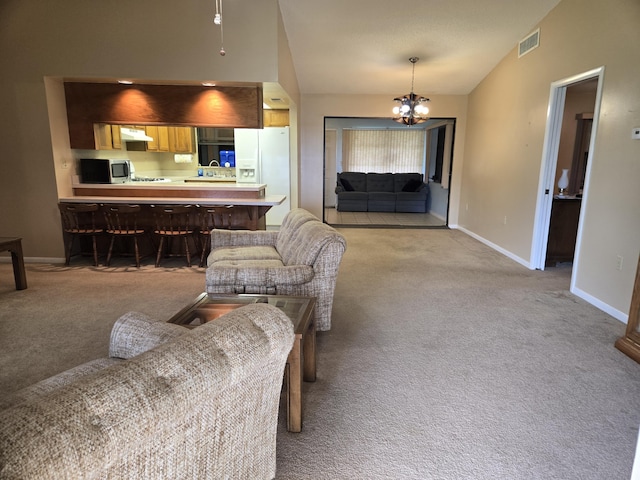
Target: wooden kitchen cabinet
(181,139)
(116,138)
(563,229)
(160,135)
(102,136)
(165,138)
(276,118)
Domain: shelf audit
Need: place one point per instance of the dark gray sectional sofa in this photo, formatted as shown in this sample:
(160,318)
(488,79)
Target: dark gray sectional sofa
(382,192)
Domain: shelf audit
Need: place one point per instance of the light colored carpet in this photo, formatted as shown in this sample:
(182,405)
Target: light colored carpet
(446,360)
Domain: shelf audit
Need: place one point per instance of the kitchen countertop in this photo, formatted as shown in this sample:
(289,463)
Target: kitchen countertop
(186,183)
(269,200)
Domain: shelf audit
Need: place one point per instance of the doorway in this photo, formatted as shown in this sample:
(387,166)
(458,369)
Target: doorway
(564,150)
(433,160)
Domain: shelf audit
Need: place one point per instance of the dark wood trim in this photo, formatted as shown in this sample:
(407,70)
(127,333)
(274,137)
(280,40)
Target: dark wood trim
(188,105)
(629,344)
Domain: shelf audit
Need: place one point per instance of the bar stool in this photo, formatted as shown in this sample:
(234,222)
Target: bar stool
(172,221)
(78,220)
(211,217)
(122,222)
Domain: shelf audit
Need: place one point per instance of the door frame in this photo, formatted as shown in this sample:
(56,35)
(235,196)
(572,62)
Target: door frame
(549,162)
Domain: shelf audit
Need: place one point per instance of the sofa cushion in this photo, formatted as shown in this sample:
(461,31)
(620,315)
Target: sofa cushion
(352,201)
(380,182)
(259,252)
(262,273)
(357,181)
(402,181)
(305,244)
(347,185)
(290,225)
(58,381)
(412,185)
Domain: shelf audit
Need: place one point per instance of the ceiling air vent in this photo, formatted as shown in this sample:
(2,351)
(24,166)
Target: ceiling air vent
(529,43)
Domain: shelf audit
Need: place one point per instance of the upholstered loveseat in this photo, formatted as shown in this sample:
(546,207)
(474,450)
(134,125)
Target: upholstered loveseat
(301,258)
(168,402)
(382,192)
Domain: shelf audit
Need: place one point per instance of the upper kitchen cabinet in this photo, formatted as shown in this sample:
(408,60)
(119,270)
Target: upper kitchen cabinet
(160,135)
(172,139)
(276,118)
(102,137)
(181,139)
(225,107)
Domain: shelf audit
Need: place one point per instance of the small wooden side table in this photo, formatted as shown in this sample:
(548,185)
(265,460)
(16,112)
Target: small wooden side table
(301,362)
(14,245)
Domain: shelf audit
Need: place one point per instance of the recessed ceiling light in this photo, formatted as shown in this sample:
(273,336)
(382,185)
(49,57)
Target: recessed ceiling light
(208,84)
(125,82)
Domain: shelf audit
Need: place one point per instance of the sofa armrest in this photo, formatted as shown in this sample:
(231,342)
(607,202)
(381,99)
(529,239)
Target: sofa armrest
(242,238)
(135,333)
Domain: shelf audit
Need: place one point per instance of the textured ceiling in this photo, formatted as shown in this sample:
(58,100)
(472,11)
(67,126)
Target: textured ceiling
(363,46)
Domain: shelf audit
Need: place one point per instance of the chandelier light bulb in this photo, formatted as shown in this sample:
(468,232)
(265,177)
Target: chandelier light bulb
(411,109)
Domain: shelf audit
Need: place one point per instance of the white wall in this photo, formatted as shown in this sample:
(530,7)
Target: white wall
(505,135)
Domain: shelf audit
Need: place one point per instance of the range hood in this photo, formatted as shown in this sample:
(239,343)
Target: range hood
(134,135)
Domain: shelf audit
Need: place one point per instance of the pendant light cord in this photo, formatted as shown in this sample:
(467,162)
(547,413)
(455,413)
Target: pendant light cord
(218,20)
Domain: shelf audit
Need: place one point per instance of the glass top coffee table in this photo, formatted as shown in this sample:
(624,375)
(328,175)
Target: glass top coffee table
(301,362)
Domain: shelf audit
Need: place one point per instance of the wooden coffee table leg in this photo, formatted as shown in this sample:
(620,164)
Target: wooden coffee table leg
(309,353)
(294,387)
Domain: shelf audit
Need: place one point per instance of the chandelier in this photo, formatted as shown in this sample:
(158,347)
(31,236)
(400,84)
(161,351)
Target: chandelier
(411,109)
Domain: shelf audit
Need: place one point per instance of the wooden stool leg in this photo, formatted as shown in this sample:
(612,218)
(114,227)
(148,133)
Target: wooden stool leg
(159,251)
(110,252)
(136,250)
(186,250)
(205,249)
(95,250)
(67,259)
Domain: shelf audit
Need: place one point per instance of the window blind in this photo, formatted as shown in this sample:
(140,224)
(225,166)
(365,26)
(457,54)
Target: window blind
(381,151)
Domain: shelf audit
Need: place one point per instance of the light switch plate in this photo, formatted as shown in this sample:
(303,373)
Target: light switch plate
(635,133)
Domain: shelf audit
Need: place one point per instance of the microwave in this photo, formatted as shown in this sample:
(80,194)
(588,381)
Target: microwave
(102,170)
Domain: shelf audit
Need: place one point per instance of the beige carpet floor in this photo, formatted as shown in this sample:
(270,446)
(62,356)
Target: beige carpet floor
(446,360)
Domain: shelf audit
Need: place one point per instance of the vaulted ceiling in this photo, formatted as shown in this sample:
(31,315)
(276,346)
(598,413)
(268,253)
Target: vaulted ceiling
(363,46)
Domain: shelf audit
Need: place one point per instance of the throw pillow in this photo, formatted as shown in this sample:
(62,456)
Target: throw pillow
(347,186)
(412,185)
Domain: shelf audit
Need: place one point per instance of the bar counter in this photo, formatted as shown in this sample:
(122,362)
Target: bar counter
(250,202)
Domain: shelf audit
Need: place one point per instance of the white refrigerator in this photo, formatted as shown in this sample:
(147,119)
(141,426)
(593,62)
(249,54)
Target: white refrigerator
(262,156)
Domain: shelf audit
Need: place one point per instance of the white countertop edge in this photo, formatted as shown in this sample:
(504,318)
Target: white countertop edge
(269,200)
(244,187)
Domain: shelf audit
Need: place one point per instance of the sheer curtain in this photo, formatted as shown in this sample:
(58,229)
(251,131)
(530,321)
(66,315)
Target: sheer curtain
(381,151)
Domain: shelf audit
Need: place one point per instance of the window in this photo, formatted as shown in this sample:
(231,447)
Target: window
(382,151)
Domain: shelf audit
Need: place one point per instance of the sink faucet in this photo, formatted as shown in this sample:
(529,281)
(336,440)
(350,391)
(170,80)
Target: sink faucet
(214,163)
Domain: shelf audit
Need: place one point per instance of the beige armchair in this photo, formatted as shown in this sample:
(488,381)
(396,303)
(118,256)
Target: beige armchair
(302,258)
(168,402)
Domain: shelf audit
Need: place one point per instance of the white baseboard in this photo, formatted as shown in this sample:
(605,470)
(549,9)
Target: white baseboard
(615,313)
(54,260)
(599,304)
(506,253)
